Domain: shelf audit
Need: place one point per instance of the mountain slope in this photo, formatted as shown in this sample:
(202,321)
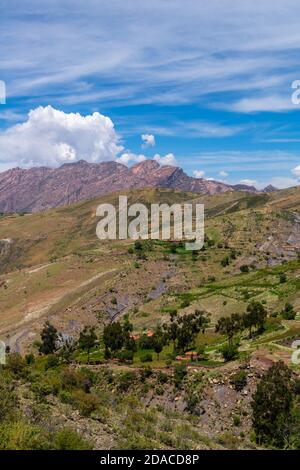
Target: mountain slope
(37,189)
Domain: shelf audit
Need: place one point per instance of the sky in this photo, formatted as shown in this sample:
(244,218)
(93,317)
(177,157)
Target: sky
(203,85)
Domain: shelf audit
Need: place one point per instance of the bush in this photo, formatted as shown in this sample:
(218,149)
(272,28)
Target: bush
(146,357)
(282,278)
(125,355)
(229,352)
(67,439)
(82,379)
(86,403)
(145,373)
(180,372)
(288,313)
(236,420)
(15,363)
(244,268)
(126,379)
(162,378)
(52,361)
(20,435)
(239,380)
(46,385)
(29,359)
(8,401)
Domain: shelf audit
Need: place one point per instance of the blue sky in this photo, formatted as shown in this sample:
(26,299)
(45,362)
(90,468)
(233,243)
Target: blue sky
(210,81)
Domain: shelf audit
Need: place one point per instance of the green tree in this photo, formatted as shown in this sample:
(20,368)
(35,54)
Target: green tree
(229,326)
(49,337)
(87,340)
(159,341)
(182,330)
(272,406)
(288,313)
(113,337)
(257,315)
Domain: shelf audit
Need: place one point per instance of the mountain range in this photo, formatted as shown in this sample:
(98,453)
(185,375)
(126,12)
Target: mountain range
(41,188)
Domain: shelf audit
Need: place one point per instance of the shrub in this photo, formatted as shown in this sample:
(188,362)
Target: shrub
(52,361)
(229,352)
(8,401)
(239,380)
(162,378)
(145,373)
(29,359)
(86,403)
(15,363)
(125,355)
(67,439)
(126,379)
(46,385)
(288,313)
(244,268)
(282,278)
(146,357)
(82,379)
(20,435)
(180,372)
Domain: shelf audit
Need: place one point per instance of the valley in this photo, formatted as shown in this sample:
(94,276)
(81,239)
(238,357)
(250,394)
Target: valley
(53,268)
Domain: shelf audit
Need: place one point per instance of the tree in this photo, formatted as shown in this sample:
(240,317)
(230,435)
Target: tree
(49,338)
(257,315)
(229,326)
(127,325)
(87,339)
(182,330)
(113,337)
(272,406)
(171,329)
(159,340)
(288,313)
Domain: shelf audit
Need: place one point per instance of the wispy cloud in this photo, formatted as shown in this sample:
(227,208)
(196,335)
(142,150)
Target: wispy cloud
(54,46)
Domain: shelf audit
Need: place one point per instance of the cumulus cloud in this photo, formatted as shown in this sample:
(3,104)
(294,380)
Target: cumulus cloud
(223,174)
(129,157)
(148,140)
(198,173)
(296,171)
(168,159)
(51,137)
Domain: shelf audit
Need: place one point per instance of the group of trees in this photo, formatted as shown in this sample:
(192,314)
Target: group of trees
(182,330)
(254,317)
(51,341)
(117,337)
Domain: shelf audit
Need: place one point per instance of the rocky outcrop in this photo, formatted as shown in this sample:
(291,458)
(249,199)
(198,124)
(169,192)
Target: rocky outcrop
(37,189)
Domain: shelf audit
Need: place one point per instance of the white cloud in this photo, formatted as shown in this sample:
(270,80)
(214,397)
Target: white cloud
(282,182)
(233,50)
(223,174)
(248,182)
(272,103)
(51,137)
(198,173)
(148,139)
(168,159)
(296,171)
(129,157)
